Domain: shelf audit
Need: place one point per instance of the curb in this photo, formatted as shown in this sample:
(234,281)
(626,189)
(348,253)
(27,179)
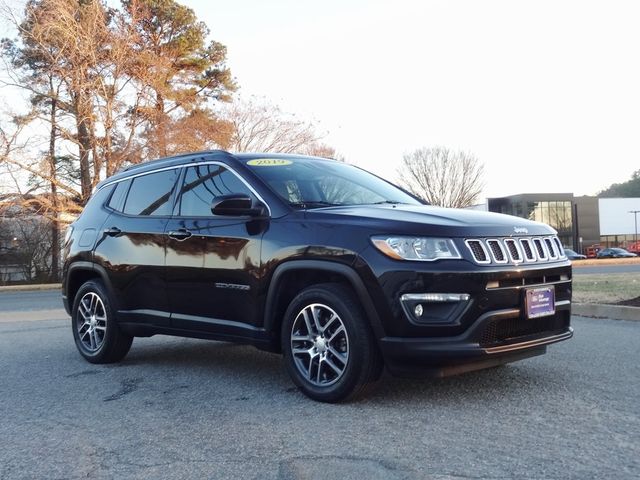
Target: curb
(34,315)
(616,312)
(22,288)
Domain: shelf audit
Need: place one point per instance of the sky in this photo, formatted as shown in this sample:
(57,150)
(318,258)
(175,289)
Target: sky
(545,93)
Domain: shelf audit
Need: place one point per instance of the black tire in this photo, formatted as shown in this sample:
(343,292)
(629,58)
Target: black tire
(95,329)
(357,348)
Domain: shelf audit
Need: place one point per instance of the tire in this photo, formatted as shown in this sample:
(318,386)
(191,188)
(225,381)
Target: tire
(95,329)
(331,355)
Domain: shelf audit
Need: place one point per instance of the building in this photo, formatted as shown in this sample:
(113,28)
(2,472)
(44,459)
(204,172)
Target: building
(26,234)
(580,221)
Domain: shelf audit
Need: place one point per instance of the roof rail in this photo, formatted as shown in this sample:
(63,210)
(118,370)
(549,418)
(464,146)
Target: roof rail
(173,157)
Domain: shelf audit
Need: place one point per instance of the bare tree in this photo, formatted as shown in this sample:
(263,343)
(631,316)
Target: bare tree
(323,150)
(443,177)
(259,126)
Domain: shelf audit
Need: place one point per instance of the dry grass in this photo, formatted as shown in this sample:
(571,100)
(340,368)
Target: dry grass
(606,288)
(590,262)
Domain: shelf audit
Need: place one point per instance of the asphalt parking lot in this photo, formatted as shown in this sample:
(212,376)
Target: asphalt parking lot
(181,408)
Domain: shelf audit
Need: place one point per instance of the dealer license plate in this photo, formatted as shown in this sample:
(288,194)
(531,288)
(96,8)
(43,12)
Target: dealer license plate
(540,302)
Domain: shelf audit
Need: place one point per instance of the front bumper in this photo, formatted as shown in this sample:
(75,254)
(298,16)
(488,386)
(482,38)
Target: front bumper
(495,338)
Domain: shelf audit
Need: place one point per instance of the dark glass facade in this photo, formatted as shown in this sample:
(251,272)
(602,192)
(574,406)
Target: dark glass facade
(553,209)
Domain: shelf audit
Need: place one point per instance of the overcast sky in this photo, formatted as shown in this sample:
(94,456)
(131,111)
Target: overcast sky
(545,93)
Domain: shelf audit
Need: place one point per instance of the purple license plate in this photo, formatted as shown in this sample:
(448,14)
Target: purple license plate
(540,302)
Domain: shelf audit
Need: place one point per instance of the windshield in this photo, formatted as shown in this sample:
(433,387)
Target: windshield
(309,183)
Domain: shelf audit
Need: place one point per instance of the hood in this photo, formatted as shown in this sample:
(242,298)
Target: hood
(428,220)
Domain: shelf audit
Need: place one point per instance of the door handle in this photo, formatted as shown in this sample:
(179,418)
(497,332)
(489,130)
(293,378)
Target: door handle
(180,234)
(112,232)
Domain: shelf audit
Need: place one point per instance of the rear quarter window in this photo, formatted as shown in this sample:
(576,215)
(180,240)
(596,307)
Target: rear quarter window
(116,202)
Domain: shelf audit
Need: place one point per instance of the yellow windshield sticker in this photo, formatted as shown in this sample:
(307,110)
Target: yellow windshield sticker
(268,162)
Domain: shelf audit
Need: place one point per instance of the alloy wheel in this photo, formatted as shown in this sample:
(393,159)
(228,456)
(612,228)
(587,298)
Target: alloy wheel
(91,321)
(319,345)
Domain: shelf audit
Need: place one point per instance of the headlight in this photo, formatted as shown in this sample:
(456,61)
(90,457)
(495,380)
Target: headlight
(424,249)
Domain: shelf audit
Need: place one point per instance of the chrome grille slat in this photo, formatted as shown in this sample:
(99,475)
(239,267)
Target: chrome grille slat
(540,250)
(514,251)
(499,251)
(478,251)
(559,247)
(528,249)
(551,248)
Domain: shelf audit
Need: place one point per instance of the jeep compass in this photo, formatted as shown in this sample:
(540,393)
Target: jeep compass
(337,269)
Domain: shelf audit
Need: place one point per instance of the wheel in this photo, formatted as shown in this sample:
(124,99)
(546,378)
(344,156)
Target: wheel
(95,330)
(329,349)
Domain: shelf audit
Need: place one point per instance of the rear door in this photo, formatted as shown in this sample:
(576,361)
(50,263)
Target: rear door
(212,261)
(132,248)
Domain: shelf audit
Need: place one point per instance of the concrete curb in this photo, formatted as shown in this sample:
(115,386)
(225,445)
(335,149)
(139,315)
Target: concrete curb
(616,312)
(21,288)
(34,315)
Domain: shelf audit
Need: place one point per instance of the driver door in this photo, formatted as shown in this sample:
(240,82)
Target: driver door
(212,261)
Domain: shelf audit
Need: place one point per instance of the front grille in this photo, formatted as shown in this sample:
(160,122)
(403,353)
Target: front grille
(496,251)
(542,254)
(512,246)
(501,250)
(510,330)
(525,281)
(559,246)
(478,251)
(551,248)
(528,252)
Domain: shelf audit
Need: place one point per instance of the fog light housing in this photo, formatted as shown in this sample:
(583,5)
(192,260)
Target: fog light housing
(434,308)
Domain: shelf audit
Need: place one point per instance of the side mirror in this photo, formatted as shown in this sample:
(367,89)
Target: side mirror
(237,205)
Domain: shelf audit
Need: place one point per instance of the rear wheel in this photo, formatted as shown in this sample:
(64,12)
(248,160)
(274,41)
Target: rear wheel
(95,330)
(329,350)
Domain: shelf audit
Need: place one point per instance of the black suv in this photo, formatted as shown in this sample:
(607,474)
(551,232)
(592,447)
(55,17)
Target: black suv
(337,269)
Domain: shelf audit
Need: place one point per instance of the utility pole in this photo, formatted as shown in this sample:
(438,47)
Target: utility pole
(635,217)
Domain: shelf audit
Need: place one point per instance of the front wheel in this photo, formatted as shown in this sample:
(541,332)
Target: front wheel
(95,330)
(328,346)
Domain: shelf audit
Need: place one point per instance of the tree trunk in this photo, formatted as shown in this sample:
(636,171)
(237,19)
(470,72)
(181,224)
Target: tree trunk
(108,143)
(161,127)
(55,223)
(84,148)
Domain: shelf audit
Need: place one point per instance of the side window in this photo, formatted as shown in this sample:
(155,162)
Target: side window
(151,194)
(117,199)
(202,184)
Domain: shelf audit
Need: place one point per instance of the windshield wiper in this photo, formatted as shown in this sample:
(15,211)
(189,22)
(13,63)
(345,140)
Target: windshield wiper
(314,204)
(389,202)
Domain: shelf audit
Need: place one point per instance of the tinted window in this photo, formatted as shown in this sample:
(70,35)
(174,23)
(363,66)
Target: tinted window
(151,194)
(204,183)
(312,183)
(117,199)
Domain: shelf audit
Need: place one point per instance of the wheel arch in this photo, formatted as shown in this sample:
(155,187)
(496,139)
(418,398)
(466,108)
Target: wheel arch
(81,272)
(291,277)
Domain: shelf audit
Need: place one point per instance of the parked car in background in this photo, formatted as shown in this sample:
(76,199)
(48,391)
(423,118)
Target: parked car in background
(592,250)
(634,247)
(573,255)
(615,253)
